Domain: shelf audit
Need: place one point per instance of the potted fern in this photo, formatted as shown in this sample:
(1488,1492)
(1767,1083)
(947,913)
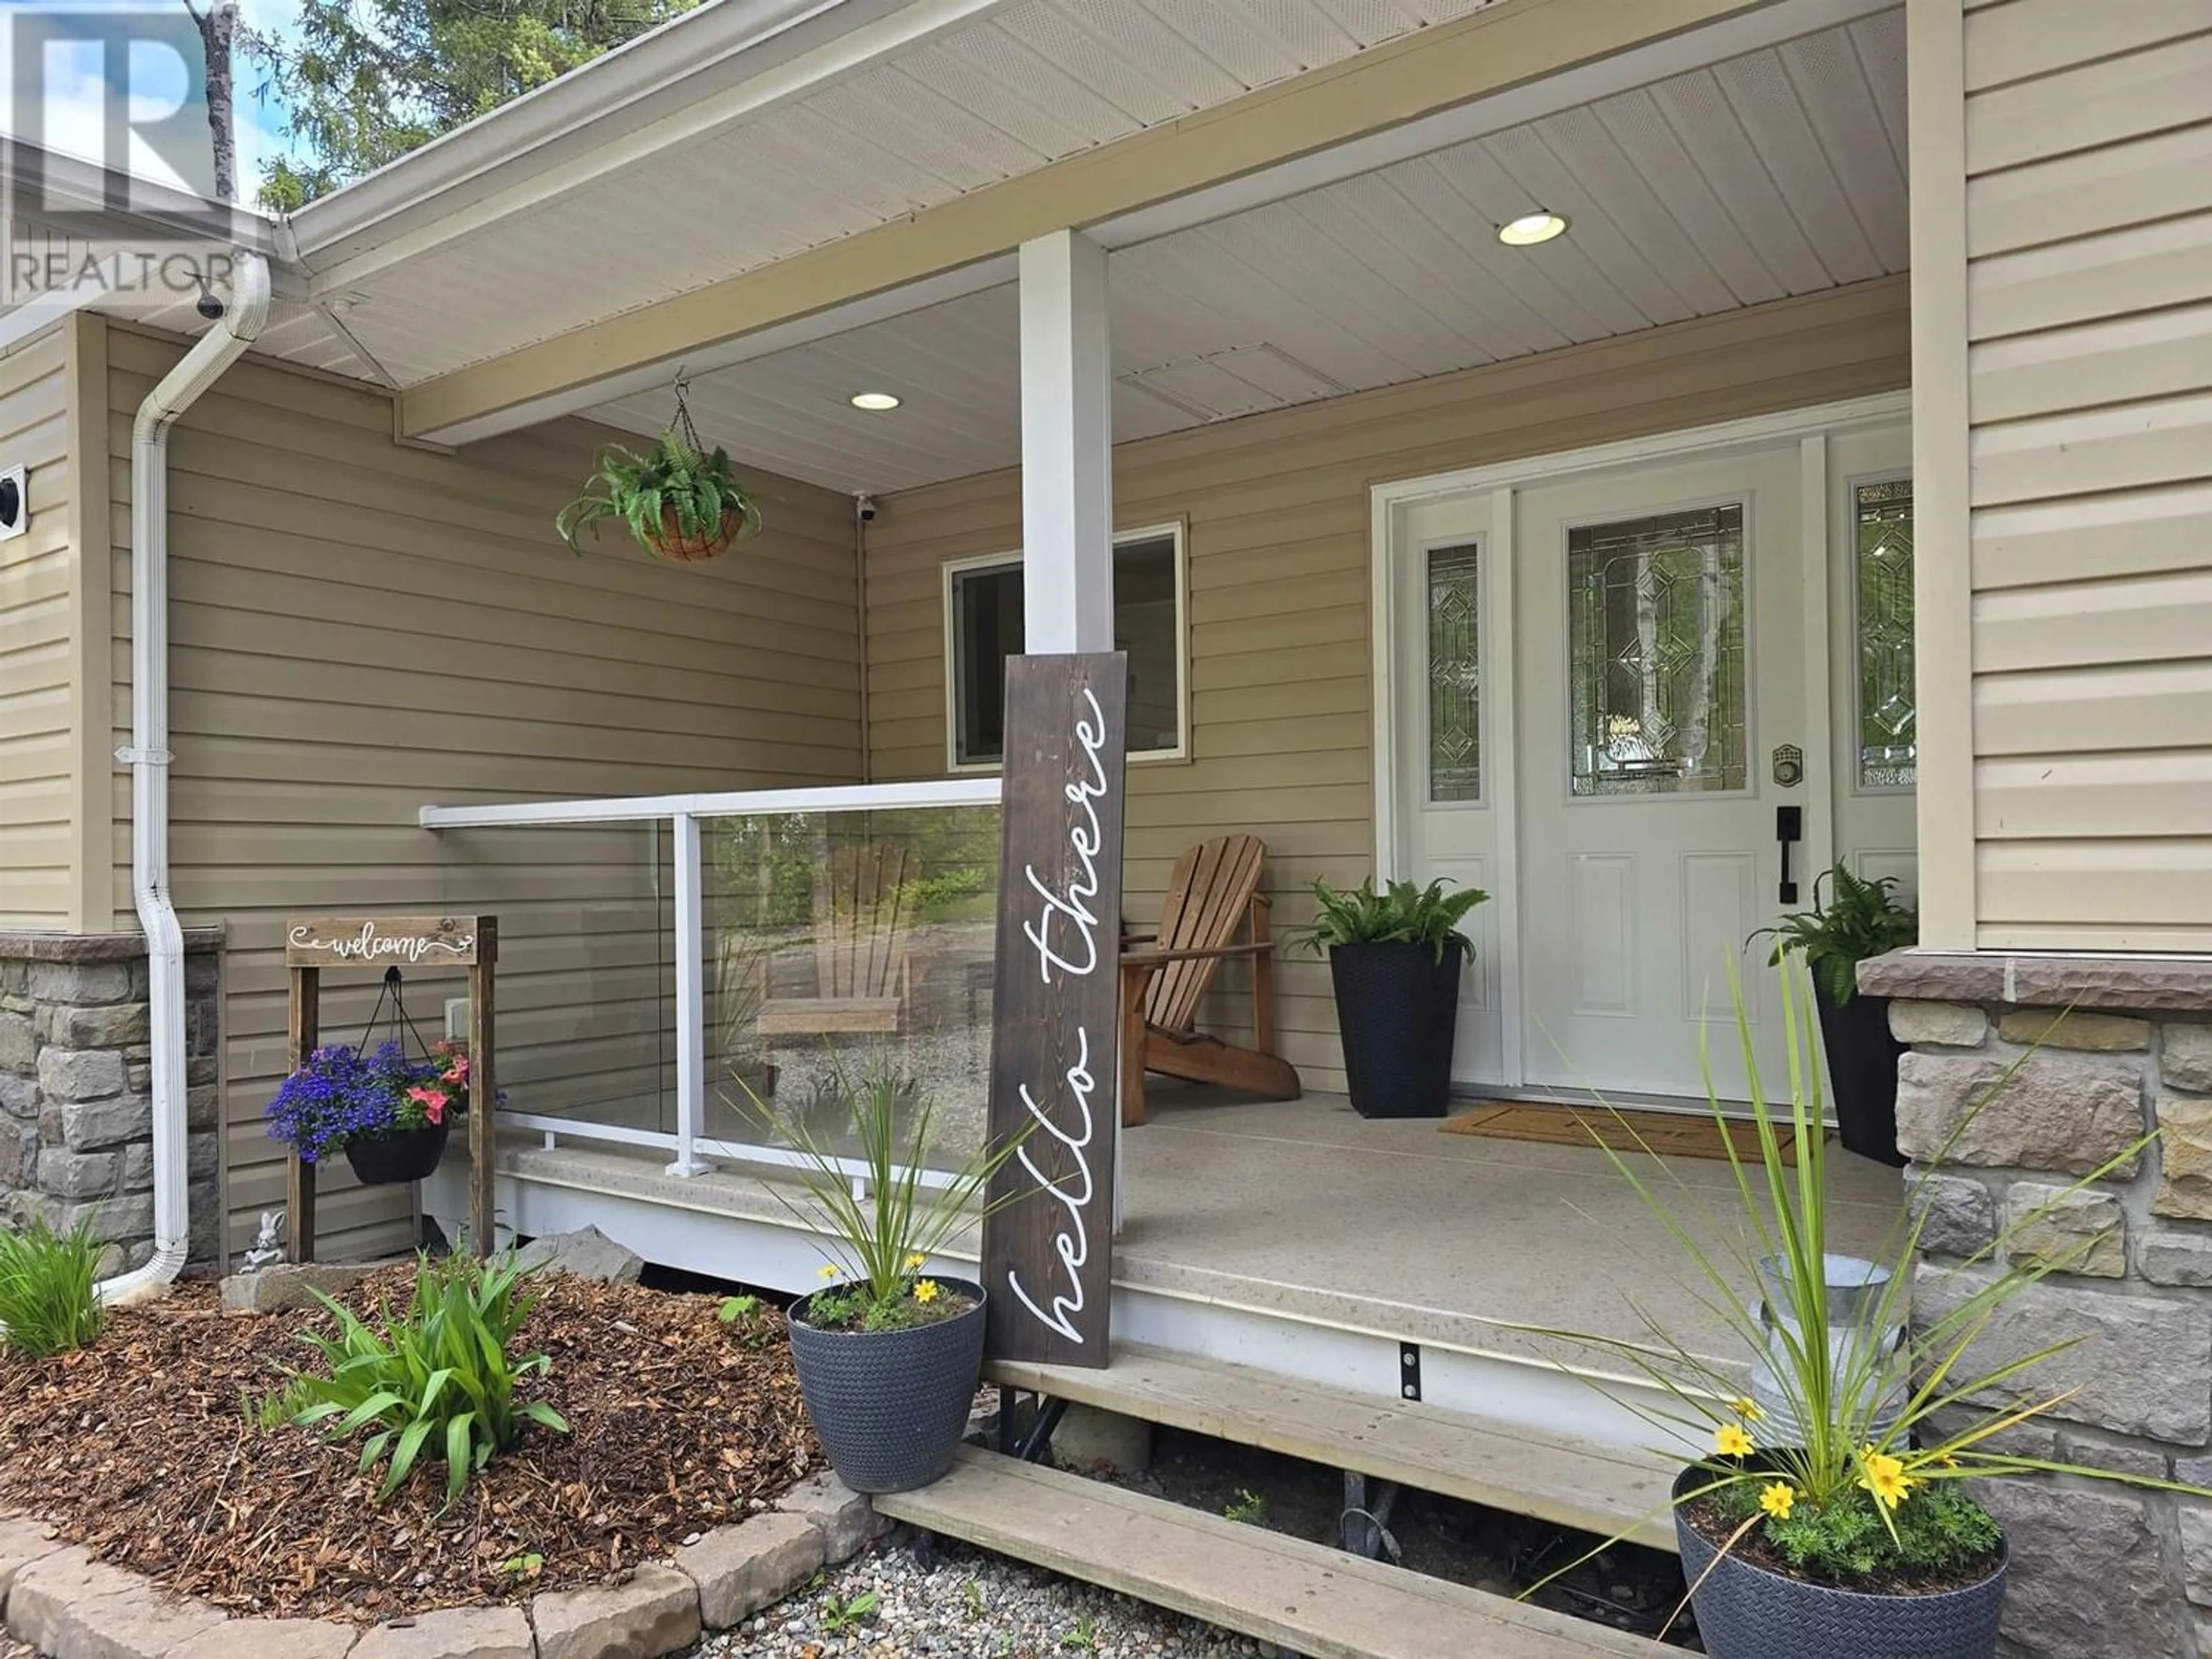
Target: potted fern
(678,499)
(1861,919)
(1395,959)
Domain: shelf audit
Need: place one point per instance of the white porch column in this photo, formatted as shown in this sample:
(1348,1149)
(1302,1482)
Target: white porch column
(1068,447)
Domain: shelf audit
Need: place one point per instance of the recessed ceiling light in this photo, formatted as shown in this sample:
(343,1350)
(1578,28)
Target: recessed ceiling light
(1531,228)
(876,400)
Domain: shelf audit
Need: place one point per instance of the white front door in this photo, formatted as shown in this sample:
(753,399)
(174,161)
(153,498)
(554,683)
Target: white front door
(1661,663)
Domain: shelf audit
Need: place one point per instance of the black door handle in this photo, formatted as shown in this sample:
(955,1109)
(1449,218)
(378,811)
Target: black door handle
(1789,830)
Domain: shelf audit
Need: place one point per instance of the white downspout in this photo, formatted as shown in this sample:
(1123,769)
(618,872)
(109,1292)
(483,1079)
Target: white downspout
(148,757)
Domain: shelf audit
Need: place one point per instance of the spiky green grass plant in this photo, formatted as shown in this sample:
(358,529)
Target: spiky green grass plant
(1866,1487)
(49,1302)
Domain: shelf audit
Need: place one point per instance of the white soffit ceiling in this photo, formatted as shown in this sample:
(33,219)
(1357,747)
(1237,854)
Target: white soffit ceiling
(1777,173)
(1031,84)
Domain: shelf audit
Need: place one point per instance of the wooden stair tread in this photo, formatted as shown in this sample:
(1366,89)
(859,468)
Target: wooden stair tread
(1313,1600)
(1555,1478)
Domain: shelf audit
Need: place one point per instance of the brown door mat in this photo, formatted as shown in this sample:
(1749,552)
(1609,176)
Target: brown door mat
(1670,1134)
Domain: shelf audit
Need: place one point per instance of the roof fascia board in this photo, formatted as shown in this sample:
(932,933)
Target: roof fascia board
(1451,65)
(686,80)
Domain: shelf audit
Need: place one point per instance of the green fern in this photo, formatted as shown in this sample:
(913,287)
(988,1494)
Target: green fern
(672,481)
(1402,914)
(1861,919)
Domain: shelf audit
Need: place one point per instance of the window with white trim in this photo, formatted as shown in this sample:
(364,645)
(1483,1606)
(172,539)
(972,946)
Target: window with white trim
(983,628)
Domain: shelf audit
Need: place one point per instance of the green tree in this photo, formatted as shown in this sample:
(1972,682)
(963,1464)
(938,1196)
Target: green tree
(364,82)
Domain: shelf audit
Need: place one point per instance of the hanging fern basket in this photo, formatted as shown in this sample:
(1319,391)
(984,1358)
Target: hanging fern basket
(678,500)
(672,541)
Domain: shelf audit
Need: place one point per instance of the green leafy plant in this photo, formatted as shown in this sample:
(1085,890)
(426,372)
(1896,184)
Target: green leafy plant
(1248,1507)
(523,1566)
(1861,1486)
(1084,1638)
(881,1222)
(971,1597)
(1859,920)
(1402,914)
(436,1380)
(674,490)
(48,1303)
(841,1614)
(736,1307)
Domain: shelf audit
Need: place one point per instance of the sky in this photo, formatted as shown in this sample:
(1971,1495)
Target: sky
(79,78)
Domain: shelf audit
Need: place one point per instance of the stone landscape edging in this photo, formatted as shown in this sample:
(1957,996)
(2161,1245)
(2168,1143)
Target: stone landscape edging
(55,1597)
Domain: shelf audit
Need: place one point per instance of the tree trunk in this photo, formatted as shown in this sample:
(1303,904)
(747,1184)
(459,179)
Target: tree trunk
(217,26)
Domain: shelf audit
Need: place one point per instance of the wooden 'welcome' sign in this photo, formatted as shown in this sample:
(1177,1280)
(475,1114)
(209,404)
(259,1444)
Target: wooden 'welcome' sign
(383,942)
(1046,1253)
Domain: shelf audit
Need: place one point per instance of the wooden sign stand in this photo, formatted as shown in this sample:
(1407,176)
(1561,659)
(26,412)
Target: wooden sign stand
(378,943)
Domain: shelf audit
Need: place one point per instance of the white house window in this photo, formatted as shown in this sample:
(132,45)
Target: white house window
(983,628)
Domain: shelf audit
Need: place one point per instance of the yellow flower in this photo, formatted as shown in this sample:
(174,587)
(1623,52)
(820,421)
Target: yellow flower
(1776,1499)
(917,1262)
(924,1289)
(1730,1441)
(1746,1408)
(828,1270)
(1885,1477)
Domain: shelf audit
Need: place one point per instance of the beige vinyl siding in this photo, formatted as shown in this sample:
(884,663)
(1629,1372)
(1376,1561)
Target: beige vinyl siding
(1277,510)
(2088,282)
(358,629)
(37,747)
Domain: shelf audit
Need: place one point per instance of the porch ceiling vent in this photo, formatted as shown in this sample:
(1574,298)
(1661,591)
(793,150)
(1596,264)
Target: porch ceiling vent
(1245,380)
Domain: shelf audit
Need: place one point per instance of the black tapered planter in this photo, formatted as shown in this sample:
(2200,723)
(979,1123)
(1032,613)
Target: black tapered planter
(408,1156)
(1863,1059)
(890,1407)
(1746,1611)
(1397,1009)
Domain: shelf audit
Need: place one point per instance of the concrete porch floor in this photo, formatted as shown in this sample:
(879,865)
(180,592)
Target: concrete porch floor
(1305,1207)
(1303,1211)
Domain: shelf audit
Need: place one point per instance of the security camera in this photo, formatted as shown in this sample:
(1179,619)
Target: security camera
(14,517)
(208,305)
(864,505)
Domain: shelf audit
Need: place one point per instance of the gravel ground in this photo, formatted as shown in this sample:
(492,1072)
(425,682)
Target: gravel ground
(950,1600)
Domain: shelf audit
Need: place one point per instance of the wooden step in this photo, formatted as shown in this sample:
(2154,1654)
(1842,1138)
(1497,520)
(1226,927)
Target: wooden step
(1309,1598)
(1555,1478)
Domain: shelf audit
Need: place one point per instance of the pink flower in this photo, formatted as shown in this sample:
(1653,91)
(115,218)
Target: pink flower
(458,1072)
(432,1101)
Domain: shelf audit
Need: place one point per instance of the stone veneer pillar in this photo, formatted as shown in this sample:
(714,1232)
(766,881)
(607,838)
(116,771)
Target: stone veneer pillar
(75,1117)
(2098,1568)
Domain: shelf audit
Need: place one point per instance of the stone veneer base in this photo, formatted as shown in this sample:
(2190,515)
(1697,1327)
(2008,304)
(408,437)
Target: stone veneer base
(75,1112)
(54,1596)
(2094,1053)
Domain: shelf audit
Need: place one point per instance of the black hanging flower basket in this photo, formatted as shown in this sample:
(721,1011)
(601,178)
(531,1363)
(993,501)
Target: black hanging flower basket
(1397,1007)
(1746,1611)
(1863,1059)
(891,1406)
(408,1156)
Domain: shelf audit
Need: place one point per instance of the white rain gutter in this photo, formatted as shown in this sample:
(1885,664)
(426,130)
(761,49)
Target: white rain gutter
(148,757)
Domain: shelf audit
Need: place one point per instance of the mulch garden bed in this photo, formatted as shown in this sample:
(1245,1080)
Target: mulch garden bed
(145,1448)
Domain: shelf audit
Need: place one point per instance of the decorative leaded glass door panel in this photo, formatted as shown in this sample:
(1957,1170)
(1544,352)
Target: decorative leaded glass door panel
(1663,659)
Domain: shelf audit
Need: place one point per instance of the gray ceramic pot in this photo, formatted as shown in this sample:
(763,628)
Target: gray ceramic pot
(891,1406)
(1745,1612)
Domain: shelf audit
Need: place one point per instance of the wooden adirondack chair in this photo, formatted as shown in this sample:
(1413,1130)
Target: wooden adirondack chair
(862,919)
(1214,889)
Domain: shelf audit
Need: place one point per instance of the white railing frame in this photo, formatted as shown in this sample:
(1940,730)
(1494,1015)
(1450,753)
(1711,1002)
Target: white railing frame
(683,813)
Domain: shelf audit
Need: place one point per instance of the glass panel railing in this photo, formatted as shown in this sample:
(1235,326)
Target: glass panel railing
(848,954)
(586,975)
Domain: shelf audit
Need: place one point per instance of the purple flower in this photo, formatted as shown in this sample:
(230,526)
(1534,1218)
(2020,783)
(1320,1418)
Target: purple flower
(341,1095)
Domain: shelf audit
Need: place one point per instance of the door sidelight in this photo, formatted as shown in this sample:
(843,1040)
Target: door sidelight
(1789,830)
